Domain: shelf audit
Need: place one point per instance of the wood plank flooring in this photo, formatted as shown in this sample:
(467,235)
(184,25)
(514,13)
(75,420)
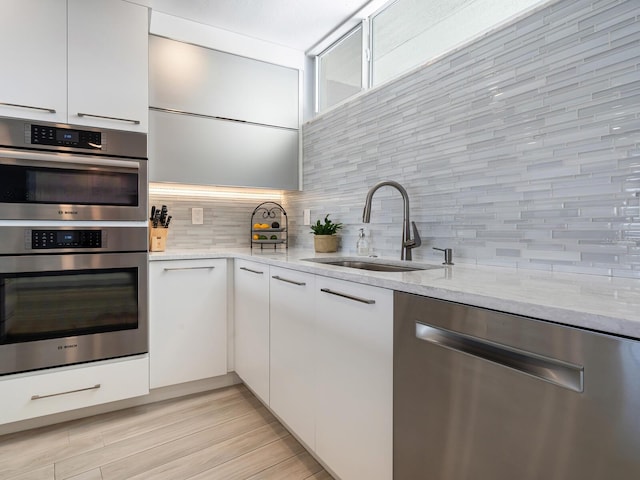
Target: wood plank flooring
(225,434)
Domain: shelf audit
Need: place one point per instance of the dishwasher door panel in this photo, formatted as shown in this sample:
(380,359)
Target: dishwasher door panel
(485,395)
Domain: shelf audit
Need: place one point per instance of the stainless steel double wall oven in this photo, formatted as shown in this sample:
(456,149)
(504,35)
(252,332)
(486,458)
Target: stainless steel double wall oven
(73,244)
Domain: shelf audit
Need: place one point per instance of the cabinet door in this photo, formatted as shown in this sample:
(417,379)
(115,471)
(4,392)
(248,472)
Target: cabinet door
(33,49)
(207,151)
(251,304)
(199,80)
(188,320)
(108,64)
(292,394)
(354,379)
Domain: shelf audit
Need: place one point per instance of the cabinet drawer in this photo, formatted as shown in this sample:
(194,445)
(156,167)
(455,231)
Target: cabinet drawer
(42,393)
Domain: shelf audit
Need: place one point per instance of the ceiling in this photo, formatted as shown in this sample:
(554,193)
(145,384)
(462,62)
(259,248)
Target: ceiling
(298,24)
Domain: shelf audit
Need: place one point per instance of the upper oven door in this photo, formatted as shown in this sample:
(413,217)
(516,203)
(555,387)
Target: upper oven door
(65,186)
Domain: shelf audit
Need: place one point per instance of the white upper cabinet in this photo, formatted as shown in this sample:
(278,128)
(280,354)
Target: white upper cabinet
(63,58)
(108,64)
(207,151)
(33,49)
(199,80)
(221,119)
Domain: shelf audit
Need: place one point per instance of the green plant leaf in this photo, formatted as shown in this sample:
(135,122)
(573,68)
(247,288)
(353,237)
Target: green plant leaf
(326,228)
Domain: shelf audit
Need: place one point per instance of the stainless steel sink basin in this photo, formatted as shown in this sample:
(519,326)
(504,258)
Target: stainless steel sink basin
(372,265)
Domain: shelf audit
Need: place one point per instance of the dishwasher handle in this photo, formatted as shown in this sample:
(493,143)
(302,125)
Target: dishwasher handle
(545,368)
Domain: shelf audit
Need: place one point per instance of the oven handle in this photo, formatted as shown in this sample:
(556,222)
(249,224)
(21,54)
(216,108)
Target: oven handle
(39,397)
(39,159)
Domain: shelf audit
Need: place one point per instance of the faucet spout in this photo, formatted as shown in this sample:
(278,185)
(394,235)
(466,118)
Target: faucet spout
(408,243)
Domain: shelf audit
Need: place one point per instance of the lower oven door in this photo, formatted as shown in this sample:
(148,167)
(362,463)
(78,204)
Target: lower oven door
(64,309)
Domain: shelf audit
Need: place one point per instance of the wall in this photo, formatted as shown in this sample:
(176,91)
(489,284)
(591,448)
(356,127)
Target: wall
(226,221)
(521,149)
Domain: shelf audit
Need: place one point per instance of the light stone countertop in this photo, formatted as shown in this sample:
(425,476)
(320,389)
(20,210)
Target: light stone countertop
(605,304)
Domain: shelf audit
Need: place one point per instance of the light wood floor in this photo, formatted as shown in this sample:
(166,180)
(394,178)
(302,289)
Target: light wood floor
(225,434)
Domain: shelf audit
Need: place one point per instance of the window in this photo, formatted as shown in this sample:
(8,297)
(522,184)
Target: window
(410,32)
(340,70)
(402,35)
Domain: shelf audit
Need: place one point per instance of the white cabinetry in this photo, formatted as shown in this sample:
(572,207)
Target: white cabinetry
(221,119)
(202,81)
(33,49)
(319,352)
(354,379)
(251,306)
(188,320)
(35,394)
(208,151)
(108,64)
(293,353)
(81,56)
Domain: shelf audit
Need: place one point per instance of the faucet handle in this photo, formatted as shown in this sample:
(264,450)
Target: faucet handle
(448,255)
(417,241)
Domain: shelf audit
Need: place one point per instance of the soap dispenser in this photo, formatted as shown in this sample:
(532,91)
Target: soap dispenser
(362,246)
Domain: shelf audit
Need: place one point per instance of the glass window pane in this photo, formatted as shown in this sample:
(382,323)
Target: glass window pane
(411,32)
(340,70)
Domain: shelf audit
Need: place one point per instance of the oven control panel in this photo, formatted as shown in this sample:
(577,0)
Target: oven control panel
(47,239)
(65,137)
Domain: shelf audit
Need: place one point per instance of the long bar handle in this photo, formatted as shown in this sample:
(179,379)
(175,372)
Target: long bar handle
(172,269)
(43,109)
(551,370)
(350,297)
(252,271)
(36,159)
(128,120)
(300,284)
(39,397)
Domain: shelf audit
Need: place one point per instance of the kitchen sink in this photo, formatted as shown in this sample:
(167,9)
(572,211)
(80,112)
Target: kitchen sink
(372,265)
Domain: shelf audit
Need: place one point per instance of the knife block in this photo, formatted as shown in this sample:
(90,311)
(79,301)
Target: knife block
(157,238)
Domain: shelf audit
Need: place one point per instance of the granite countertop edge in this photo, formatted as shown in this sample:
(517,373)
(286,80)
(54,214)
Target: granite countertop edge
(605,304)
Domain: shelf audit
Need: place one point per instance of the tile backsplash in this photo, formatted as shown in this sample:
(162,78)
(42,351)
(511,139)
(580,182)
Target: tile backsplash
(226,221)
(521,149)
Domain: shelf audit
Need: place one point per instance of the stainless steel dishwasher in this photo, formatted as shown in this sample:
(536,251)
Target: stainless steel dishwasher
(484,395)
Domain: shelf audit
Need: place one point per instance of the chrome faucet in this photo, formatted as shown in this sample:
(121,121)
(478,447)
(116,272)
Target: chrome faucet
(408,243)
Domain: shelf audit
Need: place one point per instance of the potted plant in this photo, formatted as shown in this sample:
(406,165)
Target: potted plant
(325,239)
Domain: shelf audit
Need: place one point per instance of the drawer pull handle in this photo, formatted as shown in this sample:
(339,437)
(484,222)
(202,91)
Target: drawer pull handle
(252,271)
(172,269)
(350,297)
(38,397)
(50,110)
(128,120)
(301,284)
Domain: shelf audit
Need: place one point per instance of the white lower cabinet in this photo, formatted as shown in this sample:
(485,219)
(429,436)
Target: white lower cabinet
(319,352)
(45,392)
(292,352)
(354,379)
(251,307)
(188,320)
